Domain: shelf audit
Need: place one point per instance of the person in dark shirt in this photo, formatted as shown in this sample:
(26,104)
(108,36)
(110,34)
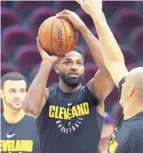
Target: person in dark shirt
(128,135)
(19,132)
(70,117)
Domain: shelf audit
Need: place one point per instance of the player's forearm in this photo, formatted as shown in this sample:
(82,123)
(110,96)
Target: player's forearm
(94,47)
(36,92)
(110,49)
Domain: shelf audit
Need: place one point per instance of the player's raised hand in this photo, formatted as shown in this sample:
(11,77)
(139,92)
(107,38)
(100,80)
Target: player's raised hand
(45,56)
(91,7)
(73,18)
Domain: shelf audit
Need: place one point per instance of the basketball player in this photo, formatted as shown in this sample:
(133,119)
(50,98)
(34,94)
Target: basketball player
(69,115)
(18,131)
(128,136)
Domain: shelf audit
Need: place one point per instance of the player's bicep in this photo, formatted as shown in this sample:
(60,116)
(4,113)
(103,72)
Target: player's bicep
(101,85)
(45,98)
(117,71)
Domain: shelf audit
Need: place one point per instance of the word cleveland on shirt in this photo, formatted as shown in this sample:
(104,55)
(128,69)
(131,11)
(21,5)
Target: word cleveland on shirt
(68,113)
(16,145)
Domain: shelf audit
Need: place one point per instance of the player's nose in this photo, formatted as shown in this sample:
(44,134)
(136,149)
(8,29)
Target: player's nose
(17,96)
(74,67)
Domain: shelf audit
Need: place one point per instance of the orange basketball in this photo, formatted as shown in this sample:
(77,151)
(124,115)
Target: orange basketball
(57,36)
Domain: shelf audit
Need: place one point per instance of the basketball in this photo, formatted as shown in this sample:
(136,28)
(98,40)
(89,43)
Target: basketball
(57,36)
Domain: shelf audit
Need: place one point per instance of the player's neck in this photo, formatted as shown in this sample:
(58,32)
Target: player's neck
(68,89)
(131,111)
(12,116)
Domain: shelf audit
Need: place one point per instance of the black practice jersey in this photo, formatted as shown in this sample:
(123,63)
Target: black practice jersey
(128,136)
(21,137)
(69,122)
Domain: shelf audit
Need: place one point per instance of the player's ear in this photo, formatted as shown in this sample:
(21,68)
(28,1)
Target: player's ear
(57,68)
(1,93)
(131,90)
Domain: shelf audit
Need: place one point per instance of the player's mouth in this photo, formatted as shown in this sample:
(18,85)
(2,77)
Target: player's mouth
(17,102)
(73,74)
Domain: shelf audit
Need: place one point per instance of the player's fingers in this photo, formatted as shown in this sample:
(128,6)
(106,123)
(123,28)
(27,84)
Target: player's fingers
(41,50)
(65,12)
(65,16)
(43,53)
(57,59)
(38,44)
(62,15)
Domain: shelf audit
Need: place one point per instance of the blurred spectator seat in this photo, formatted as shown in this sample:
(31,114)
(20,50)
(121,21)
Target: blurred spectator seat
(33,72)
(8,17)
(90,70)
(134,65)
(27,56)
(53,77)
(87,56)
(16,36)
(3,56)
(39,15)
(117,34)
(28,6)
(127,19)
(85,17)
(6,4)
(137,39)
(112,6)
(93,30)
(72,5)
(113,96)
(141,6)
(5,68)
(129,54)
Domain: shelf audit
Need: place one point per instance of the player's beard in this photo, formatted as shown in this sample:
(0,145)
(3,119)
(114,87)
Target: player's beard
(70,81)
(10,105)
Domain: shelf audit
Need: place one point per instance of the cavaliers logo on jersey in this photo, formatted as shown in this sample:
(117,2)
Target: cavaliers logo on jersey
(70,118)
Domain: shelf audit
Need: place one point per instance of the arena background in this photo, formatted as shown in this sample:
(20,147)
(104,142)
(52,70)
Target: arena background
(20,21)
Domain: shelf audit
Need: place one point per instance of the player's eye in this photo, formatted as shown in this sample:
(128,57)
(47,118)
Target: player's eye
(80,63)
(22,90)
(12,90)
(67,62)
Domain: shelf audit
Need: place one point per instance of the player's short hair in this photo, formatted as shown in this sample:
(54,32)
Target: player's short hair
(79,50)
(14,76)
